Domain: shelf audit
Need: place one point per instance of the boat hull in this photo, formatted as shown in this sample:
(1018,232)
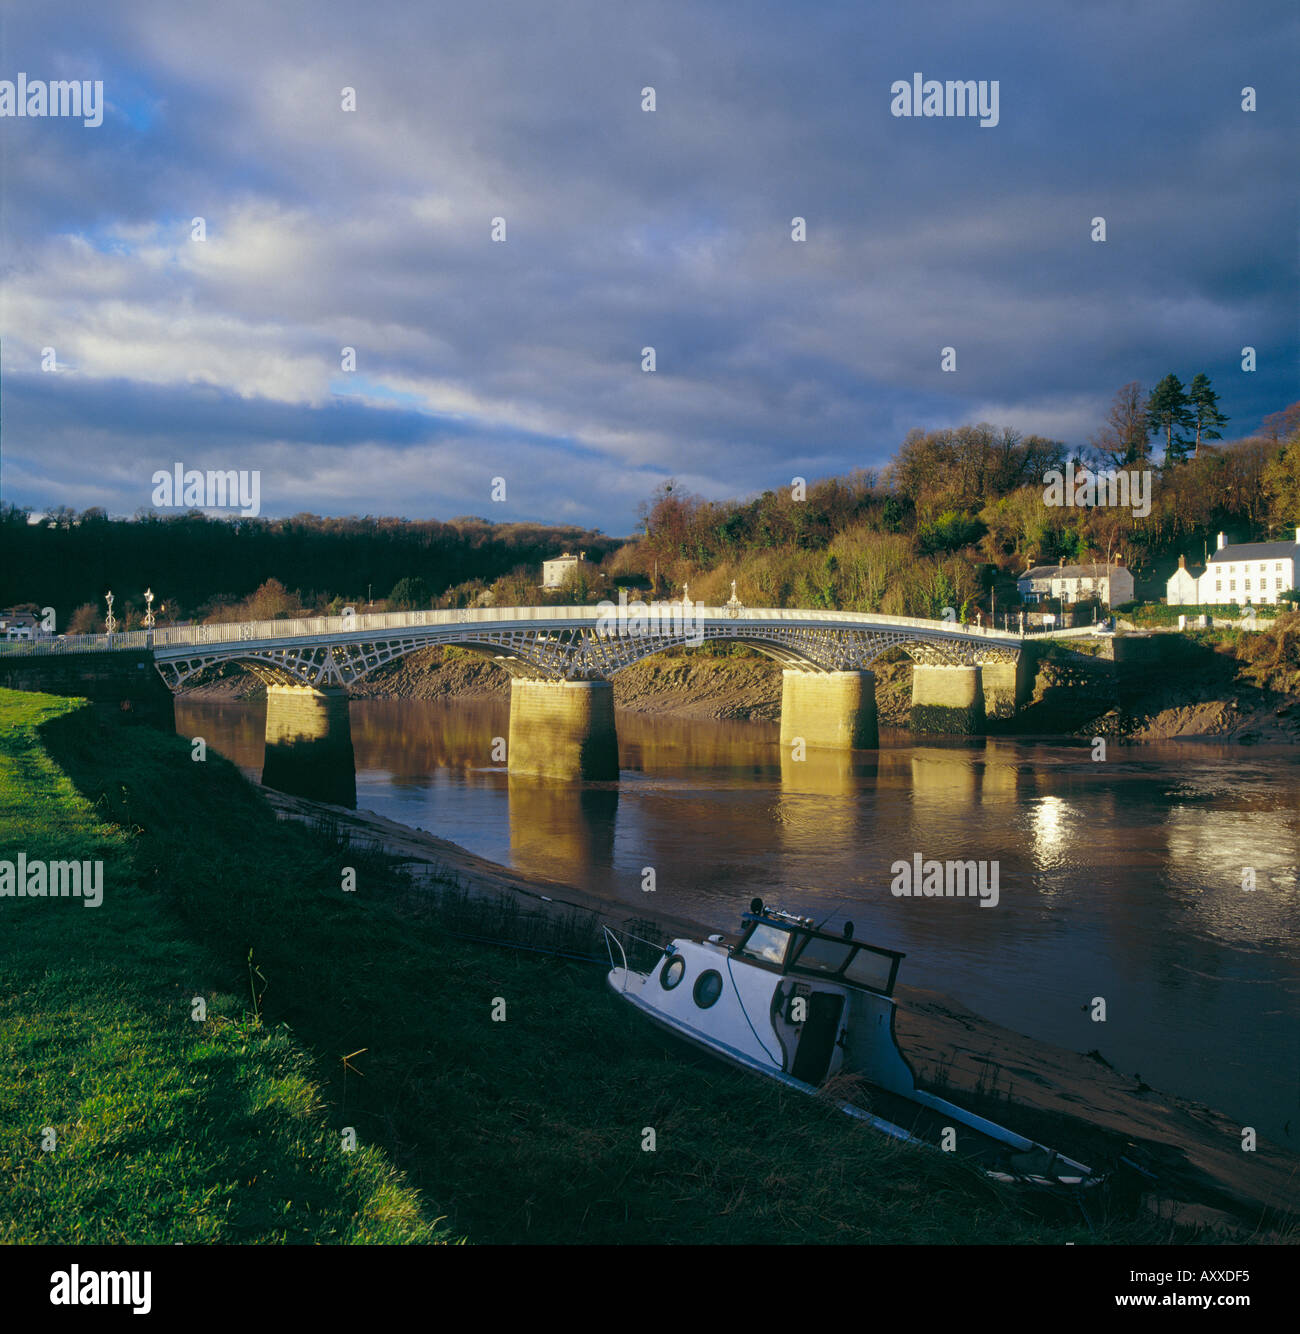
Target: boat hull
(923,1107)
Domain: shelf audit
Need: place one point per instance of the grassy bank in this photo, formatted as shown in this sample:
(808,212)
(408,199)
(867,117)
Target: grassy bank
(164,1129)
(358,1011)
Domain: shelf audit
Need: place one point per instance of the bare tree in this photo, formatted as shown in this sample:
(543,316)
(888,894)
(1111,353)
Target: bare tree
(1124,439)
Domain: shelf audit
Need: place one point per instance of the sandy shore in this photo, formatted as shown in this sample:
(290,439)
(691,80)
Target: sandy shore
(1204,1175)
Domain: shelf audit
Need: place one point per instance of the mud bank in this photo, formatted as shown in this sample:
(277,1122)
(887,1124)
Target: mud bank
(1204,1176)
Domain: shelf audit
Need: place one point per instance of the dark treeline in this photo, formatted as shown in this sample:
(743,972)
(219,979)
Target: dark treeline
(196,564)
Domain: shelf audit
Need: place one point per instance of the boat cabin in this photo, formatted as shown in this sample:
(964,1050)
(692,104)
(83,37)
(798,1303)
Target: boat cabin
(793,945)
(786,997)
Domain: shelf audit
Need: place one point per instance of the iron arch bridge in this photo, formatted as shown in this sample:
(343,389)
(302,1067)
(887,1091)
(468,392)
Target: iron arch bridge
(557,643)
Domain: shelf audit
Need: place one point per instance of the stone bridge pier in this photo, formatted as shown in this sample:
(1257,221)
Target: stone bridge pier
(947,699)
(961,698)
(829,710)
(562,729)
(309,744)
(1007,684)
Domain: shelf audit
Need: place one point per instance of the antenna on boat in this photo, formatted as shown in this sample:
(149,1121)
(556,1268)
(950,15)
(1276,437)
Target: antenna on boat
(831,914)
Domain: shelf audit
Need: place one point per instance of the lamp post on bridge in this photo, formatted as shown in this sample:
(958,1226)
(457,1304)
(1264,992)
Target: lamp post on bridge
(110,621)
(149,619)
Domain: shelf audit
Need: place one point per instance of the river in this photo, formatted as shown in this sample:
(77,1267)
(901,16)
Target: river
(1120,879)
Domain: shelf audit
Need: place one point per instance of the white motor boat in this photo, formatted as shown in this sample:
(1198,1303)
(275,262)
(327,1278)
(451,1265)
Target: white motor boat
(801,1006)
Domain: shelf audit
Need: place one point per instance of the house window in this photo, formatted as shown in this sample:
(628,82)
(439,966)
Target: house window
(1232,585)
(1218,585)
(1247,585)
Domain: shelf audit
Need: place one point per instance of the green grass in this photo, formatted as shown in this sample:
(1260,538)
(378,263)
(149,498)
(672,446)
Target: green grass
(165,1129)
(362,1012)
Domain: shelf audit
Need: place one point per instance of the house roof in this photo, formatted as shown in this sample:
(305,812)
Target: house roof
(1254,551)
(1194,570)
(1071,571)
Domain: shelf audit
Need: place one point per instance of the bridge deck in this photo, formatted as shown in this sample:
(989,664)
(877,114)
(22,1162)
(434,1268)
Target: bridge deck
(607,619)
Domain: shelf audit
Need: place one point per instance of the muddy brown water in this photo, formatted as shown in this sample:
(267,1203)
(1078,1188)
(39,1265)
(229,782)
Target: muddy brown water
(1120,880)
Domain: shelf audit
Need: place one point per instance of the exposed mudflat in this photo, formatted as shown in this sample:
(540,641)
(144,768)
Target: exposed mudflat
(1248,716)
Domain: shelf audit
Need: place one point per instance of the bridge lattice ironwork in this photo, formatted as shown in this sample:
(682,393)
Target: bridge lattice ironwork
(584,651)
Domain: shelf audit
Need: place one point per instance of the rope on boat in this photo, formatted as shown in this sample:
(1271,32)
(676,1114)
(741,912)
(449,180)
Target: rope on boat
(740,1001)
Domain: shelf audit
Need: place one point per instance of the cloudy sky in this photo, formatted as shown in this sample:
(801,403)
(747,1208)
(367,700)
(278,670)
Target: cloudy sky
(671,229)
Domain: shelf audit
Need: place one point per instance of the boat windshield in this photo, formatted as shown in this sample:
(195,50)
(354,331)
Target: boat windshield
(869,969)
(767,943)
(802,948)
(849,960)
(825,956)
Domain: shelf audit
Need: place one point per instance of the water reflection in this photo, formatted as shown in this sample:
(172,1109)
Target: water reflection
(1050,820)
(1121,879)
(564,831)
(308,745)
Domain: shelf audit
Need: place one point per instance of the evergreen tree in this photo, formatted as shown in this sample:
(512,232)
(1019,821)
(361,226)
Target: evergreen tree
(1169,413)
(410,594)
(1203,403)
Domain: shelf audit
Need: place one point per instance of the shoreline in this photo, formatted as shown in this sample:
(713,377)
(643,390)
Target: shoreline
(1205,1177)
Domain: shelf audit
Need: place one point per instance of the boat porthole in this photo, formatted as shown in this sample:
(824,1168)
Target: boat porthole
(672,973)
(708,987)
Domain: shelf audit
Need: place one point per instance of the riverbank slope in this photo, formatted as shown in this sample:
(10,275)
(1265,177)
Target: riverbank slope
(494,1094)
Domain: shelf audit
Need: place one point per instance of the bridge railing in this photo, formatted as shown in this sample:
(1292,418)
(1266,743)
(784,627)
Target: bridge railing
(228,632)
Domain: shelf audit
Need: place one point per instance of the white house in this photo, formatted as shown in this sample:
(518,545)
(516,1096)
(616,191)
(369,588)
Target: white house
(1182,588)
(1109,584)
(1248,572)
(19,625)
(554,572)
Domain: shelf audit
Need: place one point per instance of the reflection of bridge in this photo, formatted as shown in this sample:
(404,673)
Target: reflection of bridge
(562,659)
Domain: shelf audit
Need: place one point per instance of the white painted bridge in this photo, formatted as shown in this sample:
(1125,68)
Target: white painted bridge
(543,643)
